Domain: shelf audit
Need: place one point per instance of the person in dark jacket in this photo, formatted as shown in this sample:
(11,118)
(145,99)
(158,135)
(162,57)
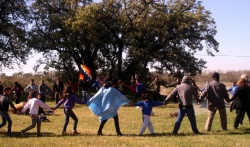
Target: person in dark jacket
(4,108)
(58,88)
(215,93)
(18,89)
(241,101)
(177,82)
(1,88)
(139,89)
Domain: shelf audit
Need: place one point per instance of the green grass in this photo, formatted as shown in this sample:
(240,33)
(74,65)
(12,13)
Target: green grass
(130,124)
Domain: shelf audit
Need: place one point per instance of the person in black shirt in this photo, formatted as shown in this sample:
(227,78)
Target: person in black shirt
(58,88)
(1,88)
(4,107)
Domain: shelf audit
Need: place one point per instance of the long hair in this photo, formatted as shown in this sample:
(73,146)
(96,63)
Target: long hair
(66,94)
(242,82)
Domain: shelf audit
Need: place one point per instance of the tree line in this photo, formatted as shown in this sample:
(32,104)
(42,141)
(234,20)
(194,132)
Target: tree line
(118,38)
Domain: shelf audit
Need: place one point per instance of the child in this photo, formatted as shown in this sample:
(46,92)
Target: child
(33,105)
(147,105)
(69,100)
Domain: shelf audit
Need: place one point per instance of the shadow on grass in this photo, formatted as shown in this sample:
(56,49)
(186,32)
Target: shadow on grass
(241,131)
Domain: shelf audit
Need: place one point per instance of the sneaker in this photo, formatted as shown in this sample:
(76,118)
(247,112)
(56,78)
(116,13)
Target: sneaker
(196,132)
(22,133)
(174,133)
(10,135)
(99,134)
(76,133)
(64,133)
(119,134)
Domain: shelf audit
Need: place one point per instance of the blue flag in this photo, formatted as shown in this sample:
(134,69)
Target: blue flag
(106,102)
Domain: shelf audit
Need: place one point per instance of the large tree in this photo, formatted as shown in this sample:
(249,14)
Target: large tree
(13,27)
(52,33)
(120,37)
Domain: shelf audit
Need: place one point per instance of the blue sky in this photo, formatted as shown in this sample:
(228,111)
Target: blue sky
(232,20)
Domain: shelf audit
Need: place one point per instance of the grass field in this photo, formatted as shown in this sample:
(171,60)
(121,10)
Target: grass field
(130,124)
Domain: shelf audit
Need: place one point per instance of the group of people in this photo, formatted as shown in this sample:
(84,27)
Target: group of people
(36,102)
(215,94)
(185,91)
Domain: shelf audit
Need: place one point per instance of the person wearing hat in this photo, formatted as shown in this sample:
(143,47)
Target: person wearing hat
(241,101)
(186,94)
(215,92)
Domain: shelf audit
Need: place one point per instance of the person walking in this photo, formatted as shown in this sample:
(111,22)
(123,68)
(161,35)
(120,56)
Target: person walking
(58,88)
(241,100)
(31,87)
(139,89)
(18,90)
(5,102)
(98,83)
(233,88)
(1,88)
(147,105)
(119,85)
(177,82)
(68,100)
(43,90)
(105,103)
(33,104)
(215,93)
(156,88)
(186,93)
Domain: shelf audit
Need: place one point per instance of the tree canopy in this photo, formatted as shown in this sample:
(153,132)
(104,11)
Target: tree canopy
(13,23)
(121,37)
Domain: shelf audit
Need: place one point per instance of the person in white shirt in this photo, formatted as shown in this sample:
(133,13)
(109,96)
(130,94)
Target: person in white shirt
(33,105)
(30,88)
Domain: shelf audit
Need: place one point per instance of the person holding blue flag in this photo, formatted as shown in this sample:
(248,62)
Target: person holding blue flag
(105,103)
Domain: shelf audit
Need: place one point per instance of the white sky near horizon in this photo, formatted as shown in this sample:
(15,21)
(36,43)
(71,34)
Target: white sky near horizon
(232,21)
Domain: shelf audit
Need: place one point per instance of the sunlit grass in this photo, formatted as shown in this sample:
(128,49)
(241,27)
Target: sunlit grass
(130,124)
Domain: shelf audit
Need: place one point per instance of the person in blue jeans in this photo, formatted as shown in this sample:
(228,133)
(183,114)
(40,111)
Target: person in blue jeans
(4,108)
(186,94)
(147,105)
(68,100)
